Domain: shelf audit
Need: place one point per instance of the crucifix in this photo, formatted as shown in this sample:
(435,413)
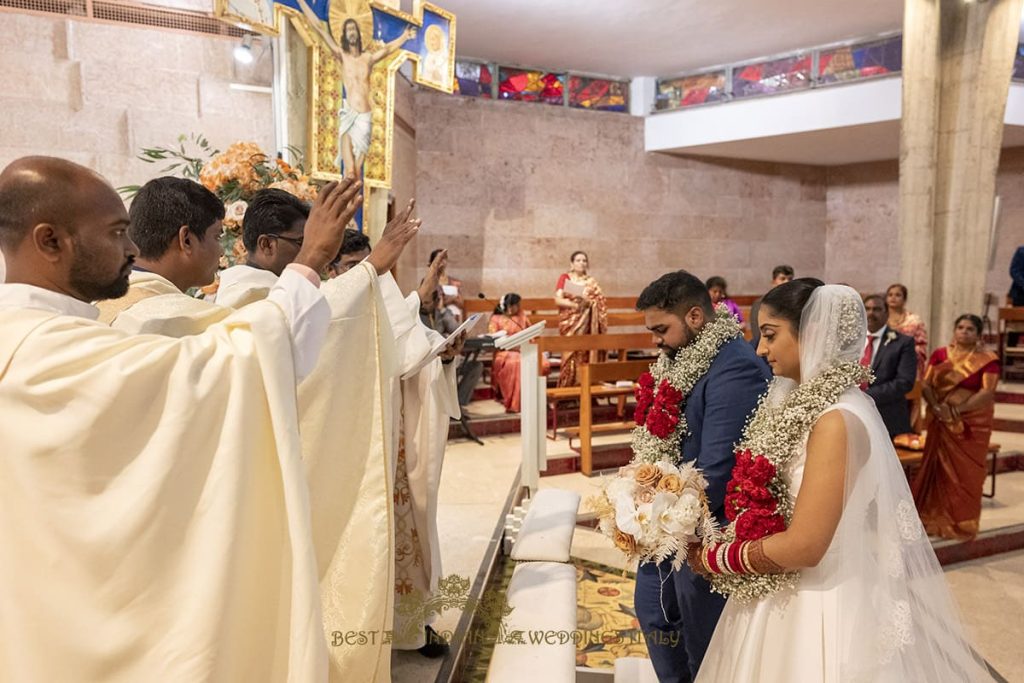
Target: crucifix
(337,98)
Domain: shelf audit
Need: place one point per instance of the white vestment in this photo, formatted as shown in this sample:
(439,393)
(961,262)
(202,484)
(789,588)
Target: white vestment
(427,399)
(345,418)
(154,516)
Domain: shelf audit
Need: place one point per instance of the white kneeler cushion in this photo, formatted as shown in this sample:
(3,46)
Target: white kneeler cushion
(542,596)
(634,670)
(546,534)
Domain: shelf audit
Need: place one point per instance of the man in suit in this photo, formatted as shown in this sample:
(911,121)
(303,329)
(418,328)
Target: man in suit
(891,357)
(676,609)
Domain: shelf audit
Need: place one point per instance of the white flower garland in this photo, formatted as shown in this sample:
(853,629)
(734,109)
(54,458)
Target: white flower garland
(690,364)
(777,433)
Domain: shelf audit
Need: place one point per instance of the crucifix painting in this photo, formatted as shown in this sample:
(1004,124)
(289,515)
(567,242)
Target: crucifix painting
(339,108)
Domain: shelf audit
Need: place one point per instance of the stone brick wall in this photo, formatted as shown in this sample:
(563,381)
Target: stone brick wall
(862,241)
(511,189)
(96,93)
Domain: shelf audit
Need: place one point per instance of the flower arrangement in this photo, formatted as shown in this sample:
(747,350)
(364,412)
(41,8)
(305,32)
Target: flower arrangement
(758,501)
(234,175)
(661,392)
(651,510)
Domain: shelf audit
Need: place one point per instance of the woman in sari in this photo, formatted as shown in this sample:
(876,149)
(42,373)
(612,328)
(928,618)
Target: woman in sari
(579,314)
(959,389)
(510,319)
(910,324)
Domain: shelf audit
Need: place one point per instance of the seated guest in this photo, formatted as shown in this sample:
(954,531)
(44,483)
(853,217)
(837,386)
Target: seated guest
(579,314)
(891,357)
(780,276)
(959,389)
(509,318)
(719,295)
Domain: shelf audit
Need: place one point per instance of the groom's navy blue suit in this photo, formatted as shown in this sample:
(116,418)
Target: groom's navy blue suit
(716,411)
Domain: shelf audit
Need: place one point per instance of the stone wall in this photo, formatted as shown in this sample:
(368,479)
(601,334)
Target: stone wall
(511,189)
(862,245)
(96,93)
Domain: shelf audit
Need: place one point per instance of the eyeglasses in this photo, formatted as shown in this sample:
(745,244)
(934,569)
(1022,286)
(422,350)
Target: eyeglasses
(297,241)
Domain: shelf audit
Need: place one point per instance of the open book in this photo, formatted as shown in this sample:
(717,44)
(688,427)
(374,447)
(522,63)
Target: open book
(440,347)
(574,289)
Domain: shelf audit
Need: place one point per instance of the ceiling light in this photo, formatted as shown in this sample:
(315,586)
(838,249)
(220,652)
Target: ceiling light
(243,52)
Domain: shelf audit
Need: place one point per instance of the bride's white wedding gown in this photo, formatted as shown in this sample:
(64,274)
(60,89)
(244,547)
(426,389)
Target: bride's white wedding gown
(876,608)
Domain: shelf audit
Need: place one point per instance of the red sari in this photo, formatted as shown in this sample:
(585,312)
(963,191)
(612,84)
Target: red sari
(505,366)
(590,318)
(947,489)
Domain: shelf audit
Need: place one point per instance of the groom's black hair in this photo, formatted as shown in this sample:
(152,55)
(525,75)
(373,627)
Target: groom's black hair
(677,292)
(787,301)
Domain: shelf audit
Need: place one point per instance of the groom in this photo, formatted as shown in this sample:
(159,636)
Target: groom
(677,610)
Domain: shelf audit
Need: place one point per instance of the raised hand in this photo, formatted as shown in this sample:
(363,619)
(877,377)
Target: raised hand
(432,280)
(332,211)
(396,235)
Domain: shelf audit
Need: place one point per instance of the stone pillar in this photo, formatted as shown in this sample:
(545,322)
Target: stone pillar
(957,61)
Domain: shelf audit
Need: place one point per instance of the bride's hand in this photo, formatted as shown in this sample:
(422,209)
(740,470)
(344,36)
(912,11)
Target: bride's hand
(693,558)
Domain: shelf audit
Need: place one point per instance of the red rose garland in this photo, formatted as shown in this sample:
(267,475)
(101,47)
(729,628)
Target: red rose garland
(659,412)
(749,502)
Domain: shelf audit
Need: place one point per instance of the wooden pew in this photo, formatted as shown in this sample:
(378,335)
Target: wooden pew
(591,377)
(619,343)
(1011,358)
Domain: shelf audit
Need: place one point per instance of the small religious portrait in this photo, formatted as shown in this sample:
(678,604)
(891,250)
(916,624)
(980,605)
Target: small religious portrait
(257,15)
(436,62)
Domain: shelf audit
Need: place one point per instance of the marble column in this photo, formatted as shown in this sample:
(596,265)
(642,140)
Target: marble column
(957,61)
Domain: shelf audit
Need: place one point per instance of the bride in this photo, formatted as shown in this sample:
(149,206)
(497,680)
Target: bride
(836,580)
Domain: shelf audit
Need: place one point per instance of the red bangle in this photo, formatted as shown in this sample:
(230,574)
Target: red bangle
(733,558)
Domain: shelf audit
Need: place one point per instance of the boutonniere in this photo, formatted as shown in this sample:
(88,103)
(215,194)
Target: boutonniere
(889,336)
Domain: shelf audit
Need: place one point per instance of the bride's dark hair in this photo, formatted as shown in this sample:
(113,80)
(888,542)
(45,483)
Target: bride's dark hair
(787,301)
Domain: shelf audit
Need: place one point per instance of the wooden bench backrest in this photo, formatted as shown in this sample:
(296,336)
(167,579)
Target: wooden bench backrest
(595,373)
(596,342)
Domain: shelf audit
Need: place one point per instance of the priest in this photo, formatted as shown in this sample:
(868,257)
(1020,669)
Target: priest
(154,516)
(424,402)
(350,487)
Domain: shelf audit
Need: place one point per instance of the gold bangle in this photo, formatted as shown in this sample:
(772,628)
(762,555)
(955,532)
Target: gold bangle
(745,557)
(722,557)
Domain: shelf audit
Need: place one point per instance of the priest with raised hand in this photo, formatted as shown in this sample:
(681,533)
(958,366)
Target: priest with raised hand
(350,489)
(353,496)
(154,515)
(424,401)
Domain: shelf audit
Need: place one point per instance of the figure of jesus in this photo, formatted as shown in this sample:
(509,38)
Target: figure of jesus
(354,120)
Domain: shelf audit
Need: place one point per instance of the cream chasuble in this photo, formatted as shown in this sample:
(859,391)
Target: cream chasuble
(427,400)
(154,515)
(153,305)
(343,407)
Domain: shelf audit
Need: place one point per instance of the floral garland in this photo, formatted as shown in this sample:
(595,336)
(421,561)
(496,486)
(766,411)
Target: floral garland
(758,502)
(661,392)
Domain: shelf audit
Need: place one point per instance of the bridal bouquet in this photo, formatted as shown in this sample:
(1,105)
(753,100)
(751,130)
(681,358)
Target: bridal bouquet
(652,510)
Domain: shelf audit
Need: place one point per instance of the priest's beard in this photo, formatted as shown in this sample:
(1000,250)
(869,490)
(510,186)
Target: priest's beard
(92,281)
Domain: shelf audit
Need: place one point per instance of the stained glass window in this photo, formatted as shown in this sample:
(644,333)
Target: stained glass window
(861,61)
(531,86)
(598,93)
(689,90)
(772,76)
(472,79)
